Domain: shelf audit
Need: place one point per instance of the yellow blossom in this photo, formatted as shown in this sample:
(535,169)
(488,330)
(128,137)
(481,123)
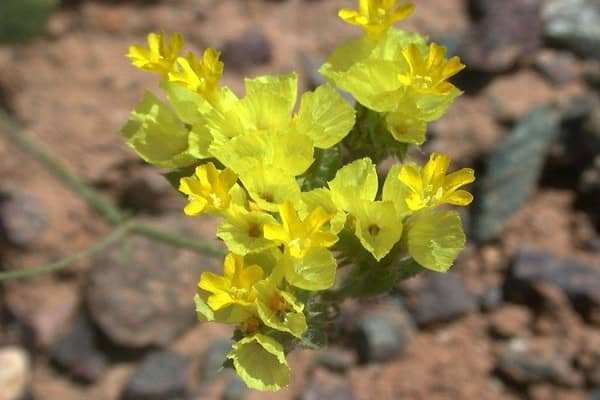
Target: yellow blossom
(208,189)
(235,287)
(376,16)
(431,187)
(201,76)
(301,236)
(160,56)
(429,74)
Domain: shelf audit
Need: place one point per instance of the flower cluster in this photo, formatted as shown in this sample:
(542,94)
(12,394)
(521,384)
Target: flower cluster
(293,209)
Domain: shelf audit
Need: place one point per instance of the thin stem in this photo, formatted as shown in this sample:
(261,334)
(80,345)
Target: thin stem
(177,241)
(97,247)
(111,213)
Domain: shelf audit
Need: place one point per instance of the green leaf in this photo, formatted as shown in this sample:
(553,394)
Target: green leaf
(326,163)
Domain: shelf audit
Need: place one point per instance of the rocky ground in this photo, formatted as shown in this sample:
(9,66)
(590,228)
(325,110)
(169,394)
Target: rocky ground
(517,318)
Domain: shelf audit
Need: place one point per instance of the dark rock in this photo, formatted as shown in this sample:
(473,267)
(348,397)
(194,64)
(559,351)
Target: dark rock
(511,173)
(594,394)
(325,385)
(236,389)
(574,24)
(525,368)
(22,218)
(490,299)
(335,360)
(504,33)
(161,376)
(383,334)
(442,298)
(78,353)
(558,67)
(251,49)
(146,191)
(578,281)
(14,373)
(140,291)
(214,359)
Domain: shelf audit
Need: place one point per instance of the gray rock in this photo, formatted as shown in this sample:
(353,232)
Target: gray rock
(525,368)
(146,190)
(161,376)
(559,67)
(511,173)
(323,385)
(236,389)
(490,299)
(504,33)
(78,353)
(250,49)
(383,335)
(574,24)
(578,281)
(22,218)
(335,360)
(14,373)
(594,394)
(214,359)
(442,298)
(140,291)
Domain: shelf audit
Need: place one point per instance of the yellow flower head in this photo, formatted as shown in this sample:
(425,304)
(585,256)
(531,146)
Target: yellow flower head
(431,187)
(200,76)
(301,236)
(160,56)
(429,74)
(376,16)
(208,189)
(235,287)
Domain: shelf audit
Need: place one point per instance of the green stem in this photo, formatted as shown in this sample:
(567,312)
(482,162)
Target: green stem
(100,245)
(112,214)
(177,241)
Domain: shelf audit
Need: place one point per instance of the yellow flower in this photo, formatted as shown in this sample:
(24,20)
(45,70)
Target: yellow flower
(160,56)
(431,187)
(200,76)
(376,16)
(301,236)
(235,287)
(429,74)
(208,189)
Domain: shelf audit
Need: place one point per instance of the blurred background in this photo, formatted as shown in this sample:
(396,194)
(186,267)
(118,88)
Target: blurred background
(517,318)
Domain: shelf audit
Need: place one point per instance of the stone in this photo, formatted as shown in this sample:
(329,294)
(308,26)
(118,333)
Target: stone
(44,307)
(22,218)
(594,394)
(559,67)
(140,291)
(250,49)
(78,352)
(214,357)
(14,373)
(503,34)
(580,282)
(490,299)
(510,321)
(146,190)
(525,368)
(235,389)
(442,298)
(383,335)
(325,385)
(335,360)
(161,376)
(511,173)
(574,24)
